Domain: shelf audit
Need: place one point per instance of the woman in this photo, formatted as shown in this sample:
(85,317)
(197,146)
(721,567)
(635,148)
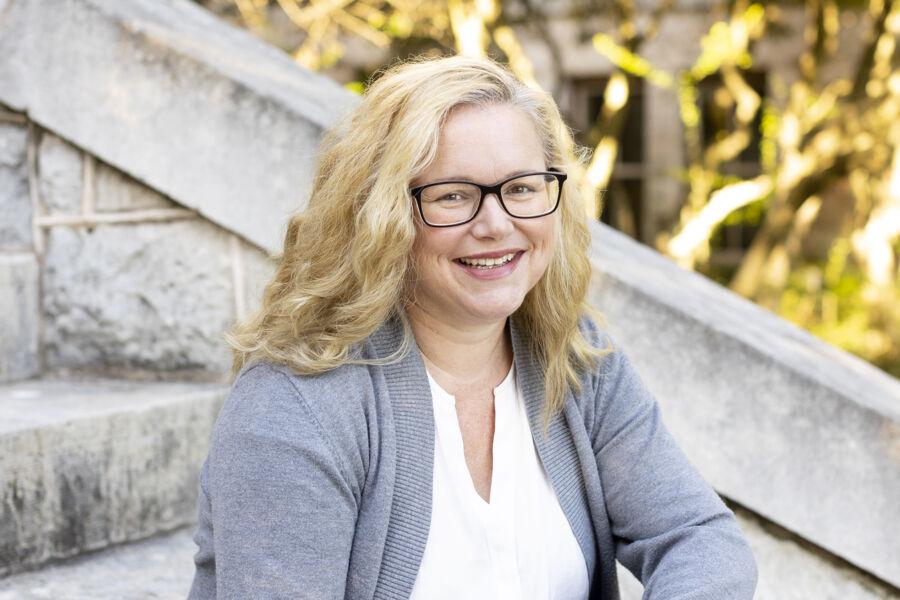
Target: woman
(423,406)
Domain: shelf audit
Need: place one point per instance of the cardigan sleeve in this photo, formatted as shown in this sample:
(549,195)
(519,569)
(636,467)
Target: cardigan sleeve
(277,510)
(671,529)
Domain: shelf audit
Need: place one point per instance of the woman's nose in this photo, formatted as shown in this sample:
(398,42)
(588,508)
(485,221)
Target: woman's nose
(492,220)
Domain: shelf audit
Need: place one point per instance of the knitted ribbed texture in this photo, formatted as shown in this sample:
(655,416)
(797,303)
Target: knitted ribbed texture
(414,430)
(410,519)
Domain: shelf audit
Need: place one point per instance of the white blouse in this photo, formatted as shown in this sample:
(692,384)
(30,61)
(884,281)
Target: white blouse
(520,545)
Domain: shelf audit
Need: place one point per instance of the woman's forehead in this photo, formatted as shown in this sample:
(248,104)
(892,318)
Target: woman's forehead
(487,141)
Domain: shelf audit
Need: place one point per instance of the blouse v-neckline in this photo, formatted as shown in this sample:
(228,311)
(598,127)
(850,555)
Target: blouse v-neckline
(410,516)
(447,424)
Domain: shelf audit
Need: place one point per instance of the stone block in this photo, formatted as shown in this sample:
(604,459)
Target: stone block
(160,567)
(116,191)
(15,202)
(259,268)
(201,111)
(86,464)
(791,569)
(797,431)
(148,297)
(19,316)
(60,175)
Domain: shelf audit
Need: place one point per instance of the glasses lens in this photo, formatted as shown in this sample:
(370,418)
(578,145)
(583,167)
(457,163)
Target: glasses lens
(531,195)
(449,203)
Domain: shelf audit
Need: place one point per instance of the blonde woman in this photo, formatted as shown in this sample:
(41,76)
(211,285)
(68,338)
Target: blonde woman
(423,406)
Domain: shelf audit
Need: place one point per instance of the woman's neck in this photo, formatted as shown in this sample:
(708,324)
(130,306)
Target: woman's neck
(462,357)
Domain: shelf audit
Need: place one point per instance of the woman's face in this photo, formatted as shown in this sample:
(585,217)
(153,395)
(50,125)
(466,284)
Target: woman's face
(482,144)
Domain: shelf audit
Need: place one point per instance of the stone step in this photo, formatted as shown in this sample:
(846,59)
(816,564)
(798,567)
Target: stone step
(159,567)
(88,464)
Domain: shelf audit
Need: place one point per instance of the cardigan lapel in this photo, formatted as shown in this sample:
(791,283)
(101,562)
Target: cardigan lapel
(557,450)
(413,418)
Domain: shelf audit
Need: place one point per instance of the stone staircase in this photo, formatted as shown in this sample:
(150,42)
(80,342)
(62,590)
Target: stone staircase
(87,464)
(149,158)
(157,567)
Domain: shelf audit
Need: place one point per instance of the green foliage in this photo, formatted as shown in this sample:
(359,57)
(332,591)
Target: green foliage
(399,25)
(752,214)
(357,87)
(629,62)
(768,129)
(725,43)
(835,303)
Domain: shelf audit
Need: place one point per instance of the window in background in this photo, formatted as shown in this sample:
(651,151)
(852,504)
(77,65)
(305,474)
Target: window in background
(623,201)
(717,115)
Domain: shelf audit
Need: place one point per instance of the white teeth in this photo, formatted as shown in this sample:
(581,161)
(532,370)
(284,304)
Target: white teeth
(488,262)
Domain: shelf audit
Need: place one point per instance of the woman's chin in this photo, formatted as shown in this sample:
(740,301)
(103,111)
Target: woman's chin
(487,313)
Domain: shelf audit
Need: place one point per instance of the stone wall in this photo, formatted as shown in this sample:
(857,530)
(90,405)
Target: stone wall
(130,283)
(203,113)
(19,273)
(801,438)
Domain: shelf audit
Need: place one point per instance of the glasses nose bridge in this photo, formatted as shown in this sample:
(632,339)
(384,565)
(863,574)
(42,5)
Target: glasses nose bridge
(491,190)
(487,190)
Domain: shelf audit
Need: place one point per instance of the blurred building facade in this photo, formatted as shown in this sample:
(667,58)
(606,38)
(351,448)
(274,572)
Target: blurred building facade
(647,187)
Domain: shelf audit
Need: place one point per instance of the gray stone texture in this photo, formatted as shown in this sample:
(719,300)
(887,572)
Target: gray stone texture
(160,567)
(85,464)
(791,569)
(19,316)
(115,191)
(259,268)
(15,202)
(197,109)
(150,296)
(795,430)
(59,175)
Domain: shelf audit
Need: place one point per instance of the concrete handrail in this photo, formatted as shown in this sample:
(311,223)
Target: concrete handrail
(800,432)
(203,112)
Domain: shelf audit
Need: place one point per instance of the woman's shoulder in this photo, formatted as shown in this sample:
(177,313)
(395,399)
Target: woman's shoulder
(612,379)
(341,393)
(596,333)
(269,399)
(337,385)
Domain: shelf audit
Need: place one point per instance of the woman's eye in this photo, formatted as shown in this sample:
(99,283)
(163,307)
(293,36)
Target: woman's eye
(450,197)
(519,189)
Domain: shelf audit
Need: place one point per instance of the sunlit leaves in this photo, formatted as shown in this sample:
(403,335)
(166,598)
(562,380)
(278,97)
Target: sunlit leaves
(727,42)
(630,62)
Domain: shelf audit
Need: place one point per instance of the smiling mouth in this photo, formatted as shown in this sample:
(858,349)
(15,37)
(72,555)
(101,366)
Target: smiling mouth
(487,263)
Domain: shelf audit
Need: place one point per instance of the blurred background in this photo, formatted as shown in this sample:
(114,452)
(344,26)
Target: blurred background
(755,143)
(745,240)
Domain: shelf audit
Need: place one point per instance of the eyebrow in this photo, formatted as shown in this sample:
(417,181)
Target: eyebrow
(507,176)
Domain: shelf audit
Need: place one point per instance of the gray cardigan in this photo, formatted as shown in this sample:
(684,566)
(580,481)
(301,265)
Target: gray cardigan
(320,487)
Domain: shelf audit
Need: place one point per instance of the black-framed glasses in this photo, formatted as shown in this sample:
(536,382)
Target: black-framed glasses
(525,196)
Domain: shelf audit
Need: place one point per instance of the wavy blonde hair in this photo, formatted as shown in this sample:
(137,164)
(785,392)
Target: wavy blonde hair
(347,262)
